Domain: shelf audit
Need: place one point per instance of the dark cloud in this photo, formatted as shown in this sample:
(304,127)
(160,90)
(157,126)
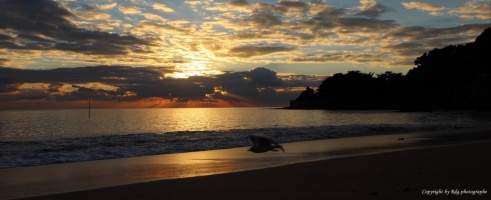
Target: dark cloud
(329,22)
(418,39)
(294,5)
(427,34)
(237,85)
(264,19)
(105,74)
(339,57)
(46,25)
(25,94)
(282,7)
(328,14)
(3,61)
(405,45)
(121,77)
(264,77)
(123,83)
(271,20)
(267,20)
(7,86)
(54,87)
(251,51)
(364,24)
(83,93)
(257,86)
(269,8)
(239,2)
(333,19)
(412,49)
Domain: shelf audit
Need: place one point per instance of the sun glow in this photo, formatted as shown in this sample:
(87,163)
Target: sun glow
(195,68)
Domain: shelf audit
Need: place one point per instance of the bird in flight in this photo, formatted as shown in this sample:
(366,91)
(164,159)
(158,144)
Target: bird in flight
(262,144)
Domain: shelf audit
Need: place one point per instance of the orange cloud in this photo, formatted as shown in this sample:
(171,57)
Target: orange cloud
(422,6)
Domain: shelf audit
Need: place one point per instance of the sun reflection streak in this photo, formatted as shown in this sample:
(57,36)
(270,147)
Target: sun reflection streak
(241,98)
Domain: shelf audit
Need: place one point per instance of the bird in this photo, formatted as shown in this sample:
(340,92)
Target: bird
(262,144)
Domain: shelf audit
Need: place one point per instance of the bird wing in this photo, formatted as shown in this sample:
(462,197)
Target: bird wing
(258,141)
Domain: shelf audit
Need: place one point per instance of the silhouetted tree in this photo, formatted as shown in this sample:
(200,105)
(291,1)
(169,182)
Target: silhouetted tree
(444,78)
(356,90)
(307,95)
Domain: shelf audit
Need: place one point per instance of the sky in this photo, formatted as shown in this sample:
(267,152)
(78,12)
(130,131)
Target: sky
(212,53)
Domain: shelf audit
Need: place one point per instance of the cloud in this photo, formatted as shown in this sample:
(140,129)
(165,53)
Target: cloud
(117,81)
(129,10)
(264,20)
(407,43)
(258,86)
(45,25)
(298,5)
(407,49)
(248,51)
(108,6)
(434,10)
(7,85)
(318,31)
(92,13)
(3,61)
(364,24)
(264,77)
(239,2)
(151,16)
(474,9)
(371,9)
(218,35)
(162,7)
(341,57)
(437,37)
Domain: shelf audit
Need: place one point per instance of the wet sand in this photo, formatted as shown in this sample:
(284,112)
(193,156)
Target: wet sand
(412,166)
(397,175)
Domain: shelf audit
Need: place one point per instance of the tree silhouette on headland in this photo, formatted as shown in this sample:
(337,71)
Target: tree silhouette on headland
(452,77)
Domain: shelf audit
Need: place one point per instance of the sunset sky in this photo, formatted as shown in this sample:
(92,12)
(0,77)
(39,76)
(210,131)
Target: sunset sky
(58,54)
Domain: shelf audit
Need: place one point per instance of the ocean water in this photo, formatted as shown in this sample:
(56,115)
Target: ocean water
(39,137)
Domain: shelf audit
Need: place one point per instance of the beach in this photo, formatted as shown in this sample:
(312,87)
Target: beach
(411,174)
(454,165)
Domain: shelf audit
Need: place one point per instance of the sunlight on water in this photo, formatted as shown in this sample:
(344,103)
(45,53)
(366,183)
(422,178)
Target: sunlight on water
(58,124)
(59,136)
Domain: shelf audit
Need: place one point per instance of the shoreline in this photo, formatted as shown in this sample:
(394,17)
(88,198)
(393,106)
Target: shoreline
(409,174)
(86,176)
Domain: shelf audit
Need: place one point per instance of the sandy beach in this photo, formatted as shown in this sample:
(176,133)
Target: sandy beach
(455,170)
(412,174)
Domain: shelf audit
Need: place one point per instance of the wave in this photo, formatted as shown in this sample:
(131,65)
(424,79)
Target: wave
(30,153)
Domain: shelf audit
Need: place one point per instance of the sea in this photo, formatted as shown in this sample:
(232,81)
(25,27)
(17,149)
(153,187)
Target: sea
(41,137)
